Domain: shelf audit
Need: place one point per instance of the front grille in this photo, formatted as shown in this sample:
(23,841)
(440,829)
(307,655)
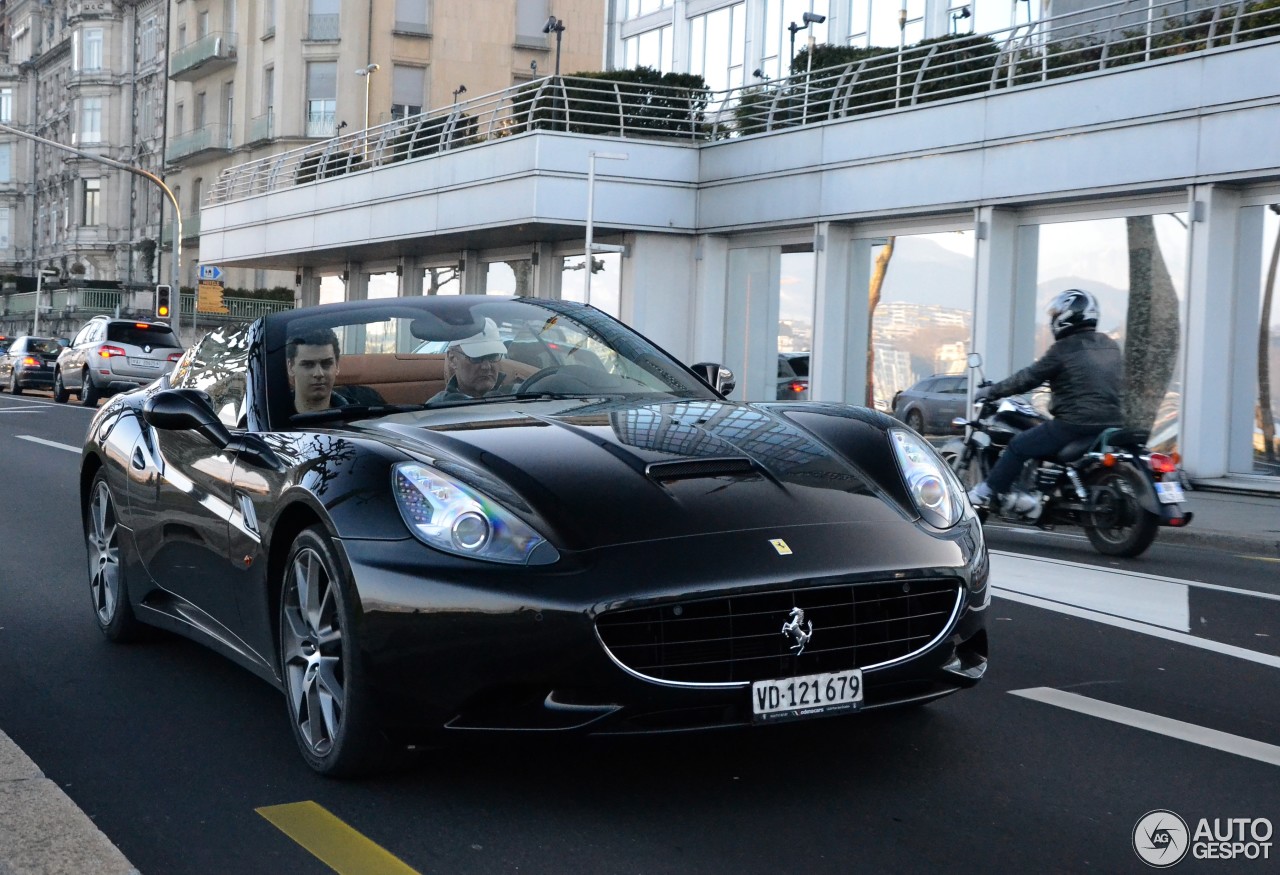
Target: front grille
(738,639)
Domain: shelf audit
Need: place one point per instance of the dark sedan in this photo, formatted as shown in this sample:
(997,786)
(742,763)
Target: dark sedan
(28,363)
(606,547)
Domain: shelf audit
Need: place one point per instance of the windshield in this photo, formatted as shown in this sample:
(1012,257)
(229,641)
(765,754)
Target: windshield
(459,350)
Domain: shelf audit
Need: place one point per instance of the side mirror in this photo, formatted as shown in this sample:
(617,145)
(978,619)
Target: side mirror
(717,376)
(975,360)
(186,410)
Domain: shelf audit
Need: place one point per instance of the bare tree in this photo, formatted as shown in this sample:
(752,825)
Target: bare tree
(877,284)
(439,276)
(1152,325)
(1266,417)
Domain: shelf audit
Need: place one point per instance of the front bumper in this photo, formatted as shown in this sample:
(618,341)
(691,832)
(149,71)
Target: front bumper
(466,647)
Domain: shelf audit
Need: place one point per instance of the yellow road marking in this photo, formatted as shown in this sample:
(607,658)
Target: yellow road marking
(334,843)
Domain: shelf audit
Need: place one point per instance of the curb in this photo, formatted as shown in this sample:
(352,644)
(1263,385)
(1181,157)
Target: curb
(43,832)
(1265,544)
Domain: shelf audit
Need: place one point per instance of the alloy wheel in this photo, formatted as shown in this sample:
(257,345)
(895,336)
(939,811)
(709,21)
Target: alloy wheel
(312,647)
(102,537)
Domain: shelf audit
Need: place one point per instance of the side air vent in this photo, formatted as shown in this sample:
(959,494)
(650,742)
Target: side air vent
(686,469)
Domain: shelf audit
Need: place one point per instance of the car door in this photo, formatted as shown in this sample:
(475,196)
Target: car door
(7,359)
(74,364)
(181,498)
(951,404)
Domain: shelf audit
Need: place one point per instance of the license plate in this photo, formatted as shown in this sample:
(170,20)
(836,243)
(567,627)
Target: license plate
(1169,493)
(144,363)
(806,695)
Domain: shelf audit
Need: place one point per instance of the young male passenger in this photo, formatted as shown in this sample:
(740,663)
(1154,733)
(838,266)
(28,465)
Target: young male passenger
(312,362)
(474,362)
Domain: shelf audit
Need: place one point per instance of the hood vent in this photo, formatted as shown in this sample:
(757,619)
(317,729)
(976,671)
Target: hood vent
(688,469)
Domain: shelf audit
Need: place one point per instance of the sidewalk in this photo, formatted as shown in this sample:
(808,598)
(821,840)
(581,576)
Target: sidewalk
(42,832)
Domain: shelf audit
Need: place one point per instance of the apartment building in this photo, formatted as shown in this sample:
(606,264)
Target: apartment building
(90,74)
(251,78)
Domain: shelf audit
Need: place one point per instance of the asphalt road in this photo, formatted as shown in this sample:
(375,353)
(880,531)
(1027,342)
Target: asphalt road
(173,750)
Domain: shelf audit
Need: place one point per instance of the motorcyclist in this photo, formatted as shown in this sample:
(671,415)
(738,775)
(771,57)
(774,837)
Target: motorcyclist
(1085,371)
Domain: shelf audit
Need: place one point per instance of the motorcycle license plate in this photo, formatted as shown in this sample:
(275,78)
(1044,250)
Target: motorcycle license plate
(1169,493)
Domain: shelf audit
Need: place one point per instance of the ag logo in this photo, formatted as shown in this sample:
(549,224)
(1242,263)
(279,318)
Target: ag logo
(1161,838)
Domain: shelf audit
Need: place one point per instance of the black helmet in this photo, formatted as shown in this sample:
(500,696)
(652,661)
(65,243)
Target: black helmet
(1071,311)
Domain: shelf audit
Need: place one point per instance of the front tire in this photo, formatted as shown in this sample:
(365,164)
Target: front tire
(107,584)
(60,393)
(1122,526)
(326,695)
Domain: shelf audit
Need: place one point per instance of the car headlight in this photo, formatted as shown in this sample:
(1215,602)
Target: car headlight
(934,489)
(453,517)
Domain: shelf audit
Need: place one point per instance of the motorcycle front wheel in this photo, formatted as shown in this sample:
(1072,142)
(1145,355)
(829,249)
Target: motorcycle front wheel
(1121,525)
(964,464)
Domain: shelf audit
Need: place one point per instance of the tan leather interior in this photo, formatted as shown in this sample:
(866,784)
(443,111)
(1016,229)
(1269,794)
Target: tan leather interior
(406,378)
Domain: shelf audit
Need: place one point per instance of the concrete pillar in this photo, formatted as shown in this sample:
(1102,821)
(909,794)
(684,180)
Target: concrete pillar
(546,272)
(751,321)
(410,278)
(707,303)
(1211,321)
(307,294)
(655,298)
(1244,349)
(838,362)
(1004,276)
(473,275)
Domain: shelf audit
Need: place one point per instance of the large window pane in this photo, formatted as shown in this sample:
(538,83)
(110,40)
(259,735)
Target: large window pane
(922,319)
(606,281)
(441,281)
(795,324)
(1135,267)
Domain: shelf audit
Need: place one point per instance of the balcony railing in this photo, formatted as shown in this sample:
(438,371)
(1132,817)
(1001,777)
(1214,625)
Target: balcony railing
(210,138)
(206,55)
(261,128)
(1105,37)
(190,229)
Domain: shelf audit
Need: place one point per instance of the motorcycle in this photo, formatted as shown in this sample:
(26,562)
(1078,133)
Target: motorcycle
(1113,486)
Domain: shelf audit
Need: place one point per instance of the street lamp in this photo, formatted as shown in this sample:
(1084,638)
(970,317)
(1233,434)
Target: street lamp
(591,246)
(367,72)
(556,26)
(40,275)
(809,19)
(461,89)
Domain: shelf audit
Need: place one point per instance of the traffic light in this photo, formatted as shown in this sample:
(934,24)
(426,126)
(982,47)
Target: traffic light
(163,293)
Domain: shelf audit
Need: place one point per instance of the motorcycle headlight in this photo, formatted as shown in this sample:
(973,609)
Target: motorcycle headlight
(455,518)
(934,489)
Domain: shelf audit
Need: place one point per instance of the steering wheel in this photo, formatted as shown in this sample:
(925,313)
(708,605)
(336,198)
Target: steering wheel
(536,377)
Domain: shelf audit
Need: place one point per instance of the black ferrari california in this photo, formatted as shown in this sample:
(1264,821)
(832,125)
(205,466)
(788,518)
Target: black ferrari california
(548,524)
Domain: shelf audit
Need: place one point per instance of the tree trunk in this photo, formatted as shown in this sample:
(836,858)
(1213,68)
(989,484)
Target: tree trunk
(877,283)
(1152,326)
(1266,417)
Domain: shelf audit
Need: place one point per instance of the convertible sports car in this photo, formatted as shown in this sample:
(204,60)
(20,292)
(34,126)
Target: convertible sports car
(603,543)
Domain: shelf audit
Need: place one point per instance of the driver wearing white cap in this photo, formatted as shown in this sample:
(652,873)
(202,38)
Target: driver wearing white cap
(474,364)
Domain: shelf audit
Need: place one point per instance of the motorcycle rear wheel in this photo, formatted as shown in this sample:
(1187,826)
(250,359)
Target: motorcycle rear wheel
(1123,527)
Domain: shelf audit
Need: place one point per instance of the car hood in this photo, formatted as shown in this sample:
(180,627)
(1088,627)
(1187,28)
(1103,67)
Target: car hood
(602,474)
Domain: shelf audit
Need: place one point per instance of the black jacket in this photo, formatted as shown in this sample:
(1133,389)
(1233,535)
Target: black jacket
(1085,373)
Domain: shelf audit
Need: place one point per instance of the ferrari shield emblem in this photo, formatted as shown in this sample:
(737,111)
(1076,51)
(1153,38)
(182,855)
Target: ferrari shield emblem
(781,546)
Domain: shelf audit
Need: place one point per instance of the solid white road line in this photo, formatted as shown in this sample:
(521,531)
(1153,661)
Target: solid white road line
(1266,659)
(1212,738)
(47,443)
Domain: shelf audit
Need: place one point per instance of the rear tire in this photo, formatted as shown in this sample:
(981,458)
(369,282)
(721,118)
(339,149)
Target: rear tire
(915,421)
(1123,527)
(14,387)
(89,394)
(60,393)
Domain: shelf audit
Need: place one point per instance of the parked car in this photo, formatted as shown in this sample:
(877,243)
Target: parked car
(28,363)
(931,404)
(793,376)
(606,547)
(114,355)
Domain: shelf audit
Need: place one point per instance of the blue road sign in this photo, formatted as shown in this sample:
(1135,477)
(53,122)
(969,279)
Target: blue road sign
(210,272)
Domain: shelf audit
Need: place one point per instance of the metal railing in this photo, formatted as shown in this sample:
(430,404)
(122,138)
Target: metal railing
(851,82)
(216,47)
(261,127)
(91,302)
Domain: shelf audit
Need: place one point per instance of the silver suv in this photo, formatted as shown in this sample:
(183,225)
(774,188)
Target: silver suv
(114,355)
